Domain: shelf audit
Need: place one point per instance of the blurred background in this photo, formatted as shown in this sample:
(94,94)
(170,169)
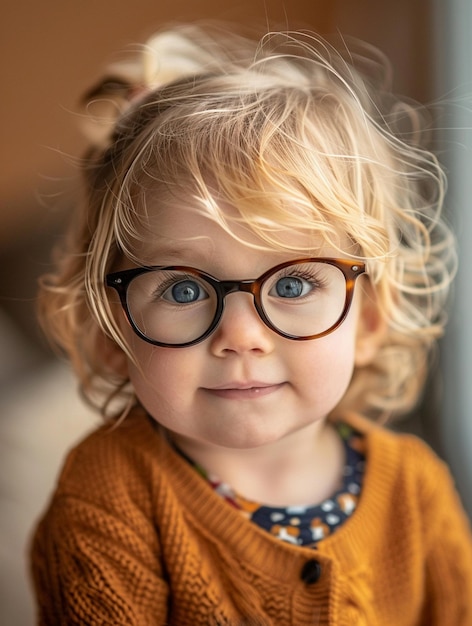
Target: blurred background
(50,53)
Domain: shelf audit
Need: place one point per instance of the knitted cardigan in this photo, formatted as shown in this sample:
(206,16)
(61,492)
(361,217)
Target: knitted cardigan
(134,535)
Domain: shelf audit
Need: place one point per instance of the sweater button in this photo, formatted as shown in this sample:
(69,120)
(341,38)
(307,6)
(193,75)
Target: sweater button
(311,572)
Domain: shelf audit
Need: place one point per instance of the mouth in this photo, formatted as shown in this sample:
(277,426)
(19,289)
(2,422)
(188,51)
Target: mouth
(243,391)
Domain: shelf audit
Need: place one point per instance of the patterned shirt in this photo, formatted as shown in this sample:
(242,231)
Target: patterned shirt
(305,525)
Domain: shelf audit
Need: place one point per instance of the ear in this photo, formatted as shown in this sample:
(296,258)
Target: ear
(371,326)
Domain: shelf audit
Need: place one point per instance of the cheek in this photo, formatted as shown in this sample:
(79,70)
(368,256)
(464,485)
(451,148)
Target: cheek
(151,370)
(161,376)
(327,365)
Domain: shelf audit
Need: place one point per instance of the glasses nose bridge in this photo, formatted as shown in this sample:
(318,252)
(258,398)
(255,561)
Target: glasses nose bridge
(226,287)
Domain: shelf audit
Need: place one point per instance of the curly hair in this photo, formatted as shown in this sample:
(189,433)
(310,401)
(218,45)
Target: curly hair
(296,134)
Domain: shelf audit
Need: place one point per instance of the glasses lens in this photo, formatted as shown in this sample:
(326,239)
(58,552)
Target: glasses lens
(304,299)
(172,307)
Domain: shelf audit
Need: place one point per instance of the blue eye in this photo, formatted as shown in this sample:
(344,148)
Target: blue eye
(185,292)
(291,287)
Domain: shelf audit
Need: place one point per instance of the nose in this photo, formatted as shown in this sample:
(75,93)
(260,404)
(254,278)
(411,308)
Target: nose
(241,330)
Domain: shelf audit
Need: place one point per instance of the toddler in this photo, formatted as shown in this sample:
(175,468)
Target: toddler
(255,278)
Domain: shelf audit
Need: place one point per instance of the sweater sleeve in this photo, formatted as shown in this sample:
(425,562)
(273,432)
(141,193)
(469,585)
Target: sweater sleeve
(90,568)
(448,552)
(96,555)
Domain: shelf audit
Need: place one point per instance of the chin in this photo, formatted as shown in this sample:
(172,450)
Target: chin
(244,438)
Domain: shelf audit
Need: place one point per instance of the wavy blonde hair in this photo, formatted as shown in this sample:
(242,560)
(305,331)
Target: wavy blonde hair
(287,122)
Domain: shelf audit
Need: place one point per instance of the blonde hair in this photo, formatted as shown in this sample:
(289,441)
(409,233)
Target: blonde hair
(287,122)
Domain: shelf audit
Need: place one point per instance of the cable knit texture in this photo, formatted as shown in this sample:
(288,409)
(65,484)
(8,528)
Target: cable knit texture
(134,535)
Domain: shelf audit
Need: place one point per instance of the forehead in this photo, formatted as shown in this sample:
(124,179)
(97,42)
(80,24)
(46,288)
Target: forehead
(183,227)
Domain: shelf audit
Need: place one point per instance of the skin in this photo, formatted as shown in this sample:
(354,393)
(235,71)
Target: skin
(247,404)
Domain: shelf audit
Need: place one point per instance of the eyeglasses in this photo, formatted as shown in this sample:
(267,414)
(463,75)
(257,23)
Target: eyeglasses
(179,306)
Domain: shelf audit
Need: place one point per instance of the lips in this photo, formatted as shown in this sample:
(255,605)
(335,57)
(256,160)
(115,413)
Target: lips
(244,391)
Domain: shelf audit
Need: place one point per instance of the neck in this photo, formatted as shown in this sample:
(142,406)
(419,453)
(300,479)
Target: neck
(303,468)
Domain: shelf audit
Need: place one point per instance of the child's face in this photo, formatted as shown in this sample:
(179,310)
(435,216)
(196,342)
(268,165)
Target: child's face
(244,386)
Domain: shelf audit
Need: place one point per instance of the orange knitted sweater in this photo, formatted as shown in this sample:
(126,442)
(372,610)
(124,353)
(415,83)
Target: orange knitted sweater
(134,535)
